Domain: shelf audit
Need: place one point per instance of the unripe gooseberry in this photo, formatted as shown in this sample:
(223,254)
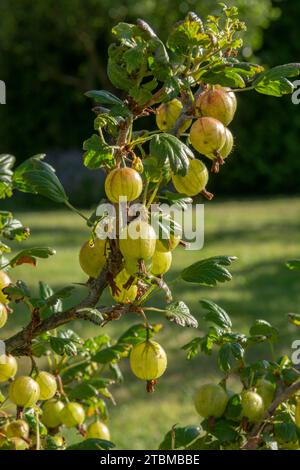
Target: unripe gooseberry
(18,428)
(123,182)
(51,413)
(48,385)
(92,257)
(168,244)
(98,430)
(211,400)
(266,390)
(148,360)
(194,182)
(3,315)
(218,103)
(252,406)
(161,263)
(72,415)
(24,391)
(228,146)
(297,414)
(8,367)
(167,115)
(124,296)
(207,136)
(5,281)
(137,240)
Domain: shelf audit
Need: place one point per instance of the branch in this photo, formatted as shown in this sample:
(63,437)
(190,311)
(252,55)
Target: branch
(254,437)
(185,112)
(20,343)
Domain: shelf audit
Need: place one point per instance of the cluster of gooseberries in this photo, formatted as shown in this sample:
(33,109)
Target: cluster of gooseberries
(39,392)
(212,401)
(142,254)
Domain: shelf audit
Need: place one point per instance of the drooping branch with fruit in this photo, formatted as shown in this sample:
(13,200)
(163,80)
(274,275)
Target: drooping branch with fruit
(189,84)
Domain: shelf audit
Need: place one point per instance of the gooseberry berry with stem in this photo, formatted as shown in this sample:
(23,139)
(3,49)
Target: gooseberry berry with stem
(211,400)
(72,415)
(98,430)
(148,360)
(92,257)
(194,182)
(51,413)
(8,367)
(207,136)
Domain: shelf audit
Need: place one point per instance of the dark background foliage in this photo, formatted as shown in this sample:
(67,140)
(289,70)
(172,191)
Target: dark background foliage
(52,52)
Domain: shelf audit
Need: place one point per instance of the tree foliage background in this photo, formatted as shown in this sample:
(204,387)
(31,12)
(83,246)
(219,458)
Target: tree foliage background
(52,52)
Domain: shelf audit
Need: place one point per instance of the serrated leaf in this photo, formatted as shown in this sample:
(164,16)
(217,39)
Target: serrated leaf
(264,328)
(92,444)
(6,164)
(275,81)
(216,315)
(30,255)
(224,432)
(228,354)
(179,313)
(224,76)
(209,272)
(66,342)
(167,149)
(180,437)
(97,153)
(37,177)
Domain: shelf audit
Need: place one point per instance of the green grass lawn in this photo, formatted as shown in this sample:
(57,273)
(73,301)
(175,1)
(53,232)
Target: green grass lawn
(263,234)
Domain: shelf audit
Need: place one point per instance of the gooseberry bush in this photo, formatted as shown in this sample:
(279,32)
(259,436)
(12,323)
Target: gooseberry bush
(189,85)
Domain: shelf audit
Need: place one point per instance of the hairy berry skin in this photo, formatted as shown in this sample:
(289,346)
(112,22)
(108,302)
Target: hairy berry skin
(98,430)
(161,263)
(24,391)
(252,406)
(4,282)
(207,136)
(148,360)
(8,367)
(92,257)
(3,315)
(47,384)
(167,115)
(194,181)
(211,400)
(51,413)
(218,103)
(138,240)
(123,182)
(72,415)
(124,296)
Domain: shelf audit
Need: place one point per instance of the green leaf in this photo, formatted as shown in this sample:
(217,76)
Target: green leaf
(263,328)
(98,153)
(224,76)
(92,444)
(294,264)
(37,177)
(104,97)
(6,164)
(188,34)
(209,272)
(29,256)
(113,353)
(224,432)
(179,313)
(228,354)
(178,200)
(180,437)
(30,417)
(275,81)
(66,342)
(167,149)
(285,432)
(216,315)
(234,408)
